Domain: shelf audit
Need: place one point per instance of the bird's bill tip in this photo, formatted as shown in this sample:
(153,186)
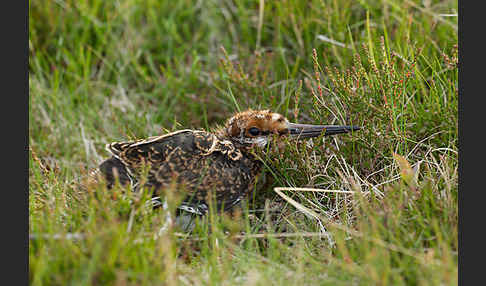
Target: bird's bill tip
(302,131)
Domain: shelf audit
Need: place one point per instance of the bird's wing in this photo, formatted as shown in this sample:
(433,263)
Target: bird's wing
(199,161)
(157,150)
(119,149)
(170,154)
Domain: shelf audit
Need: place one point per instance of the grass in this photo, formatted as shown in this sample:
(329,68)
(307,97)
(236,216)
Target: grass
(103,71)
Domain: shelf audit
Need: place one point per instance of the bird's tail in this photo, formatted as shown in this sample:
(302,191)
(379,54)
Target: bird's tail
(113,169)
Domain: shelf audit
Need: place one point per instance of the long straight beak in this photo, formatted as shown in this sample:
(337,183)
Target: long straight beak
(302,131)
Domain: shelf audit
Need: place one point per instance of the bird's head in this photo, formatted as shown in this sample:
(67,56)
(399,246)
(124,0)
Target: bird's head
(257,127)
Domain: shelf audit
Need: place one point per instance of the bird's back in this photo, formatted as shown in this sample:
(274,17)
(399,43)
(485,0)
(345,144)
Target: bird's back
(198,161)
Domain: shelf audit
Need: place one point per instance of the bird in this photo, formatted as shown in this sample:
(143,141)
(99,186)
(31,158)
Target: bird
(221,166)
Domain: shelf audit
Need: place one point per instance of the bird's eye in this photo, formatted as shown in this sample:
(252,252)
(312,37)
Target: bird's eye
(254,131)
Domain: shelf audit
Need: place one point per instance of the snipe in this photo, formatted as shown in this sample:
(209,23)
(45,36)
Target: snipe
(220,163)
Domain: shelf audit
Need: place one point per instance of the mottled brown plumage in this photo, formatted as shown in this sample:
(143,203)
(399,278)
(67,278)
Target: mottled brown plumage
(201,163)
